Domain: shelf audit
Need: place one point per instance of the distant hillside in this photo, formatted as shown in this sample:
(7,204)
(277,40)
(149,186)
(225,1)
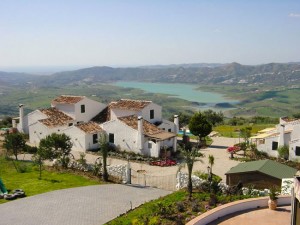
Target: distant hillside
(275,74)
(15,79)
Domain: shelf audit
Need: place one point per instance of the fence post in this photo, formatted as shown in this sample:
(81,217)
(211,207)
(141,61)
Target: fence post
(128,174)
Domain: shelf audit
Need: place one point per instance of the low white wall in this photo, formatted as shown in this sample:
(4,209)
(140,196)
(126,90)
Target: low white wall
(237,206)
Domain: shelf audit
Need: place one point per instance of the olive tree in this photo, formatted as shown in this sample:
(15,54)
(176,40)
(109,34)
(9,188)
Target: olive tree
(59,145)
(14,143)
(200,127)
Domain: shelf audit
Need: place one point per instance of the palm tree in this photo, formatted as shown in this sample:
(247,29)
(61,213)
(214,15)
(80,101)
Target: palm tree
(211,161)
(104,147)
(189,154)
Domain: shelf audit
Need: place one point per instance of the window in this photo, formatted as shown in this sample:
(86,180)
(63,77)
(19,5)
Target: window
(274,145)
(70,124)
(149,145)
(169,130)
(151,114)
(111,138)
(82,108)
(297,150)
(95,138)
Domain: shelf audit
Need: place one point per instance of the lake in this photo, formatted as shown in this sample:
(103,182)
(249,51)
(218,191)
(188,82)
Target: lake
(182,91)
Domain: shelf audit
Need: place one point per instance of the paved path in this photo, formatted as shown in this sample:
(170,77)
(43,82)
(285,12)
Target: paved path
(218,149)
(91,205)
(280,216)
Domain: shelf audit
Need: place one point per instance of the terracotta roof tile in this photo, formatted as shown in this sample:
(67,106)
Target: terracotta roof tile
(149,129)
(68,99)
(130,104)
(90,127)
(55,117)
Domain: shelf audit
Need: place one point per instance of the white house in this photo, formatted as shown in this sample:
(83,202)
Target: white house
(287,132)
(138,135)
(83,119)
(81,108)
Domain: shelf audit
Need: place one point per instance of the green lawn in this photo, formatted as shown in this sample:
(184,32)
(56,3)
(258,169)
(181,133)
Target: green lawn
(233,131)
(29,182)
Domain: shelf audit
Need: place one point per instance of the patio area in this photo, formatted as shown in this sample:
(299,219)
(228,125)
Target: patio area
(263,216)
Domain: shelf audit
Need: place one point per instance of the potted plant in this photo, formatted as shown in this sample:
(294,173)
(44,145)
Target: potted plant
(272,203)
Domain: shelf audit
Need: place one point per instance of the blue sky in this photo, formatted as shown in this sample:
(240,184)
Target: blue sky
(127,33)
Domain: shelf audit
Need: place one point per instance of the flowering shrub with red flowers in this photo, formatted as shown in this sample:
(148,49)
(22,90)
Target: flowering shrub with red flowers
(233,149)
(167,162)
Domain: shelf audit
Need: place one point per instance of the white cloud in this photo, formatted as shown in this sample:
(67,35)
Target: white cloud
(294,15)
(217,30)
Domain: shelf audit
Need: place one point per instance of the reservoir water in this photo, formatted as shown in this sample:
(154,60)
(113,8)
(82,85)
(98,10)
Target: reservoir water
(182,91)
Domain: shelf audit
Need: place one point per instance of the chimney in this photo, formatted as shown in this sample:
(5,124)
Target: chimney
(21,118)
(176,121)
(281,135)
(140,137)
(176,130)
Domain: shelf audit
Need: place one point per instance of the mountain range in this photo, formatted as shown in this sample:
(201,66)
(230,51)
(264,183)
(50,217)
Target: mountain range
(273,74)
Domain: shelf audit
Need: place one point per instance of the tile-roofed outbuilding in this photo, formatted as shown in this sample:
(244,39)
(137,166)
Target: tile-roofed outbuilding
(55,117)
(68,99)
(130,104)
(90,127)
(149,129)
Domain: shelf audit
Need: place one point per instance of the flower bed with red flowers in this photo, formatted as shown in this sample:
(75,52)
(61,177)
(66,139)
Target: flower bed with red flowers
(233,149)
(167,162)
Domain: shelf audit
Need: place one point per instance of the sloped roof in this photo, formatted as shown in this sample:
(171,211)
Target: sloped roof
(149,129)
(55,117)
(90,127)
(103,116)
(130,104)
(68,99)
(269,167)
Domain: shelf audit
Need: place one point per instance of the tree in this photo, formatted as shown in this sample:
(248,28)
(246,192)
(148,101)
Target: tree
(283,152)
(104,148)
(43,153)
(211,161)
(214,117)
(60,145)
(246,134)
(189,154)
(14,143)
(199,126)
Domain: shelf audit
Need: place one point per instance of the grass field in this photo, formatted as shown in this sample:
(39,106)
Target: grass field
(29,182)
(233,131)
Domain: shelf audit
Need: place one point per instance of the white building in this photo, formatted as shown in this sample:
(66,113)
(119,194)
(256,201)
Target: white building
(287,132)
(83,119)
(138,135)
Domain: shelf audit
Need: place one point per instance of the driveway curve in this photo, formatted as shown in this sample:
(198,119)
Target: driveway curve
(91,205)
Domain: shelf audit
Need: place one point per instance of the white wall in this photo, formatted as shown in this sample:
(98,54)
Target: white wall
(125,137)
(38,131)
(115,113)
(92,108)
(77,138)
(267,147)
(292,150)
(157,113)
(68,109)
(166,125)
